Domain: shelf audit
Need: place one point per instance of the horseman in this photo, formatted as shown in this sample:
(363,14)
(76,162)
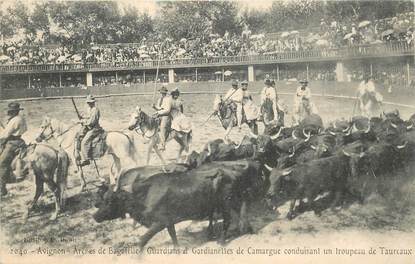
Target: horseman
(369,100)
(90,129)
(303,106)
(235,95)
(249,108)
(269,103)
(10,143)
(163,108)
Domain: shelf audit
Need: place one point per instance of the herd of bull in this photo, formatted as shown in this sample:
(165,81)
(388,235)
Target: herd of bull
(301,163)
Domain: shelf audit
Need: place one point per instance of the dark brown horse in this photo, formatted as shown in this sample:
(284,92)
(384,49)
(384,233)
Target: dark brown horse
(267,113)
(149,127)
(227,116)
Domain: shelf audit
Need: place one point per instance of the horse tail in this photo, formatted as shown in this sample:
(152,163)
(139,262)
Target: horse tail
(132,151)
(189,140)
(62,174)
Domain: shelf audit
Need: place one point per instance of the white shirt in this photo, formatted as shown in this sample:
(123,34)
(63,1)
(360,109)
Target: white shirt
(165,105)
(234,95)
(16,126)
(306,93)
(268,93)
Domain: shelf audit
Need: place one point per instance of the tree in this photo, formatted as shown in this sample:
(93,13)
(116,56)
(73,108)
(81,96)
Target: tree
(6,25)
(86,22)
(196,19)
(255,19)
(39,20)
(133,27)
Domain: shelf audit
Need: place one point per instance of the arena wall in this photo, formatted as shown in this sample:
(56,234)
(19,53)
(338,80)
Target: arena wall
(321,88)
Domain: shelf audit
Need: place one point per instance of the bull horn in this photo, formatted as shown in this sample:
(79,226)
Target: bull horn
(269,168)
(393,125)
(253,135)
(313,147)
(278,134)
(409,127)
(291,155)
(362,154)
(346,153)
(368,129)
(287,172)
(209,147)
(402,146)
(293,134)
(346,129)
(308,135)
(354,127)
(334,125)
(331,132)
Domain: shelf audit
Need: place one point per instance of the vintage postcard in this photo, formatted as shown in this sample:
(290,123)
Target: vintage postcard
(207,131)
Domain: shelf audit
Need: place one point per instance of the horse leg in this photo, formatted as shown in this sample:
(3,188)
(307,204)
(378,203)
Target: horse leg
(82,178)
(56,194)
(151,146)
(158,153)
(228,131)
(117,163)
(39,190)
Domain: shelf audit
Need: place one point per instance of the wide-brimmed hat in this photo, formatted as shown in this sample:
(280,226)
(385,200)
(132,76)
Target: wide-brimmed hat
(163,89)
(13,106)
(244,82)
(304,81)
(234,83)
(267,82)
(175,91)
(90,99)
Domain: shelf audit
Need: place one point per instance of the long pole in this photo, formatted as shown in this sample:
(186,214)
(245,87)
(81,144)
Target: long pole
(157,74)
(226,99)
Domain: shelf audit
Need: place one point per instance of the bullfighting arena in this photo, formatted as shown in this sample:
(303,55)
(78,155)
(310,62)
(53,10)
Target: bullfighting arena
(386,219)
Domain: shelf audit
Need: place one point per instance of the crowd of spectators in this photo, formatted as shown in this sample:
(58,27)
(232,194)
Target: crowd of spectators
(330,34)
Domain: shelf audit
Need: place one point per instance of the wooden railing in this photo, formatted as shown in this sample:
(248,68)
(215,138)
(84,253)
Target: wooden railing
(374,50)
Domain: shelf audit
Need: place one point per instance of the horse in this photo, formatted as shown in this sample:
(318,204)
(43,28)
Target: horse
(149,128)
(267,113)
(119,146)
(227,116)
(50,166)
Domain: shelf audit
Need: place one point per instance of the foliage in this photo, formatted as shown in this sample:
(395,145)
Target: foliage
(85,22)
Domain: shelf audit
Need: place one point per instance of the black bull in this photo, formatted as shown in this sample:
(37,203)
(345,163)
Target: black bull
(308,180)
(164,199)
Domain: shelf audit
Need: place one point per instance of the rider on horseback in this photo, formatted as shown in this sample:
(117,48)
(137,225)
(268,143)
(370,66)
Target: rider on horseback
(163,108)
(90,129)
(303,106)
(10,143)
(369,99)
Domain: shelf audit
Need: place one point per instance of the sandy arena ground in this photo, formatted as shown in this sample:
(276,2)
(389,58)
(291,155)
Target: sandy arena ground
(383,221)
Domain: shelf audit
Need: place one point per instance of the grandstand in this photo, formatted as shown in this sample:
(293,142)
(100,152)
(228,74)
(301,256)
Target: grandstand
(334,50)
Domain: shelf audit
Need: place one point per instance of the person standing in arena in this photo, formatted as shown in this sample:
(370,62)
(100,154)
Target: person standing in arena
(369,100)
(269,98)
(163,108)
(90,129)
(10,142)
(303,106)
(235,95)
(249,108)
(179,121)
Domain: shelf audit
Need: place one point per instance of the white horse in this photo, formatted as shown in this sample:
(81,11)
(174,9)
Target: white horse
(119,145)
(50,166)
